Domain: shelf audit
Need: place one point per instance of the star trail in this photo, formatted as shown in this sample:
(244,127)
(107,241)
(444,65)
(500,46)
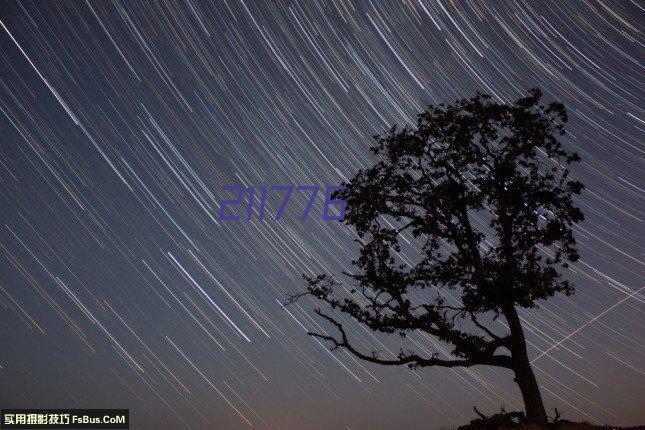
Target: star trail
(122,121)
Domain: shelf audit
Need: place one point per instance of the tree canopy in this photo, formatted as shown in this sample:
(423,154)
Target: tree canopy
(475,203)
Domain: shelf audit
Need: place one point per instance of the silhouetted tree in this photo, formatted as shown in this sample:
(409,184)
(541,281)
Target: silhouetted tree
(474,204)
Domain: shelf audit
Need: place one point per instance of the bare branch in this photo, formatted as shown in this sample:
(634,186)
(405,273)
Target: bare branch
(406,359)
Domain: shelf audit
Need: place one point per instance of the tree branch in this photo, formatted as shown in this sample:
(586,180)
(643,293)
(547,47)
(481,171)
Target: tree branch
(407,359)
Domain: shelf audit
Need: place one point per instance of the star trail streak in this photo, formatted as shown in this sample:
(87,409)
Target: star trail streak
(121,121)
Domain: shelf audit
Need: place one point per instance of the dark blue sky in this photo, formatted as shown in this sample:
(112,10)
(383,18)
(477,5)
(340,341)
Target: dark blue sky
(122,121)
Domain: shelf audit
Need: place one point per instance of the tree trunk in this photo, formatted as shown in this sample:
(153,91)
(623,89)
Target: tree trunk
(524,377)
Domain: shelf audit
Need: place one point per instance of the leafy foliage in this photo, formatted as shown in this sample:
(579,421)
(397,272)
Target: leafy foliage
(481,192)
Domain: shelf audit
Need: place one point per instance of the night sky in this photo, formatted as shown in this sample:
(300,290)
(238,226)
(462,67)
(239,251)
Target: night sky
(122,121)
